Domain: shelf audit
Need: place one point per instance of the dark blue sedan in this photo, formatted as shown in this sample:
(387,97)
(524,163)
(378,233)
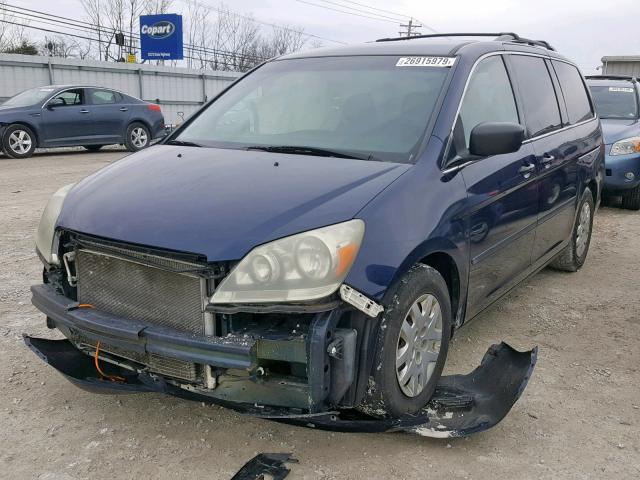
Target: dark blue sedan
(71,115)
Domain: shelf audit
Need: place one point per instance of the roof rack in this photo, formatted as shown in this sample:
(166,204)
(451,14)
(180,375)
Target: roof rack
(501,36)
(612,77)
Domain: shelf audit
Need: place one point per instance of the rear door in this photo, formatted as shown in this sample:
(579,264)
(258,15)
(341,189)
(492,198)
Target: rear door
(555,103)
(70,121)
(110,114)
(502,190)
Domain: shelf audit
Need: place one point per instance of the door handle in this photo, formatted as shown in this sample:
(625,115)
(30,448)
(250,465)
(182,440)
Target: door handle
(546,160)
(84,111)
(527,170)
(124,109)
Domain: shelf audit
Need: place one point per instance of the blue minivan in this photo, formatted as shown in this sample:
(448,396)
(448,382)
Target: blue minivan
(308,242)
(617,102)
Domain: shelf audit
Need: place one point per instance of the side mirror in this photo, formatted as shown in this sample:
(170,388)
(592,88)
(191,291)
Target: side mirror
(55,102)
(495,138)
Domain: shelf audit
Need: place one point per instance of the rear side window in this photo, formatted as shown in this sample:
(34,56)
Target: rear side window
(489,98)
(574,92)
(538,95)
(103,97)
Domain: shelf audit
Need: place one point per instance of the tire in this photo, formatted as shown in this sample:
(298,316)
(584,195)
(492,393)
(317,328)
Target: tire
(18,141)
(631,199)
(390,393)
(137,137)
(574,255)
(93,148)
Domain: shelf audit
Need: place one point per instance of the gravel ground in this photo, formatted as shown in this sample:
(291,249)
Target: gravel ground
(579,417)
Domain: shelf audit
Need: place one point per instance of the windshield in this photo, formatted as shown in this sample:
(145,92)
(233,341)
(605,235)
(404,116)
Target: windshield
(358,107)
(615,102)
(29,97)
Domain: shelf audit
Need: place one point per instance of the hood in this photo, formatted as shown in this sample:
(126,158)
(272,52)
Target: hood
(220,203)
(9,109)
(614,130)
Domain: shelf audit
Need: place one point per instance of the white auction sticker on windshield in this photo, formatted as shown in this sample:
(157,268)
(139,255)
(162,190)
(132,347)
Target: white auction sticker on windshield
(426,62)
(621,89)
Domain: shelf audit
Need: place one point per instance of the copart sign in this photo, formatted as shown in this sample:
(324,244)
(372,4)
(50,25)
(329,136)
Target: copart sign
(161,37)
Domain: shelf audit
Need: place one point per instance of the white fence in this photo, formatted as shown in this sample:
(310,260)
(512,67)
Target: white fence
(180,91)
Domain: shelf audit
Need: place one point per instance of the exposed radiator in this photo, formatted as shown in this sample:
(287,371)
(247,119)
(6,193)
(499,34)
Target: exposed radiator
(130,289)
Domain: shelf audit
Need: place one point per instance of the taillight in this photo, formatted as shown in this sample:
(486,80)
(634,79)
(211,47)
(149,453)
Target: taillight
(154,107)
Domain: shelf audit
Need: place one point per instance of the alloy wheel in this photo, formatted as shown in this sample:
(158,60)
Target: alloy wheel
(418,346)
(583,230)
(20,142)
(139,137)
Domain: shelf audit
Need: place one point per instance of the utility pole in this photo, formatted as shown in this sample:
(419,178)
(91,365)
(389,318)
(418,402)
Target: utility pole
(411,29)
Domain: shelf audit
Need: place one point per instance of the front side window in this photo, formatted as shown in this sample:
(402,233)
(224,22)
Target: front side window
(103,97)
(615,101)
(541,109)
(368,107)
(69,97)
(488,98)
(574,92)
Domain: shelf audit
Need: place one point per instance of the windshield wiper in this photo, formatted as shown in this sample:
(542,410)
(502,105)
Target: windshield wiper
(300,150)
(182,143)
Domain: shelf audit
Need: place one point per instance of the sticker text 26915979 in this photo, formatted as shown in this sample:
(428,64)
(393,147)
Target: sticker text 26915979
(426,62)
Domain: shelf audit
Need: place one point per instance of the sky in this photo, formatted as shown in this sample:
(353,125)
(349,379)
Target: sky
(582,30)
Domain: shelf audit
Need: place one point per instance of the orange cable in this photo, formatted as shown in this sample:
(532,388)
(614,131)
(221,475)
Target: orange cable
(113,378)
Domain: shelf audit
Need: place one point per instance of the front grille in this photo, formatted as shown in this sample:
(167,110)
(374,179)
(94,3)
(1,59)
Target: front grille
(137,291)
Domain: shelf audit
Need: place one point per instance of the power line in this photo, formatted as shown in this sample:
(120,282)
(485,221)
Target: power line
(403,17)
(379,17)
(379,9)
(348,13)
(261,22)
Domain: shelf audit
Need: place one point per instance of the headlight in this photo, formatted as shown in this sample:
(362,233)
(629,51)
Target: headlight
(626,146)
(306,266)
(46,228)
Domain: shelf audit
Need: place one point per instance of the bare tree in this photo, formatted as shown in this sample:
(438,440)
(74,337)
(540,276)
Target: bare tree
(155,7)
(198,34)
(58,46)
(93,10)
(11,29)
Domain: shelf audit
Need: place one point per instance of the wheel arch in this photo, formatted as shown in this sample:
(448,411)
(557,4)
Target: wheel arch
(446,266)
(30,126)
(137,120)
(448,259)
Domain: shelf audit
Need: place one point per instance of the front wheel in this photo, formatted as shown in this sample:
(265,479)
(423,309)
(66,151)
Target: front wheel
(574,255)
(631,199)
(18,141)
(412,344)
(137,137)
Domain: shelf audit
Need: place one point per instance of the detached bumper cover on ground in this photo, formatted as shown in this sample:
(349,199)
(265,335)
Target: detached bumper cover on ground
(462,404)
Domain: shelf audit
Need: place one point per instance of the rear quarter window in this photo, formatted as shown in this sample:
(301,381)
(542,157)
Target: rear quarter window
(574,91)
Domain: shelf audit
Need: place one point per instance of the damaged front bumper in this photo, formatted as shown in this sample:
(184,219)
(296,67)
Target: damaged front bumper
(462,404)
